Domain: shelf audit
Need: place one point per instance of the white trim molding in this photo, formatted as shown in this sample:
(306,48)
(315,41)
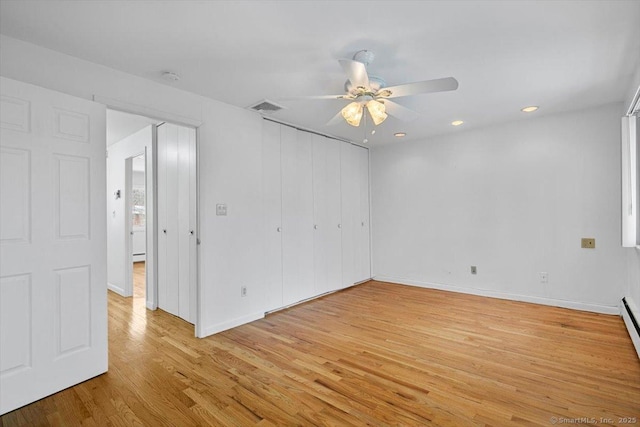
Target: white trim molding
(219,327)
(575,305)
(117,289)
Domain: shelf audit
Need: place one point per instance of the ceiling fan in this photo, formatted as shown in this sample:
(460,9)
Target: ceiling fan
(369,93)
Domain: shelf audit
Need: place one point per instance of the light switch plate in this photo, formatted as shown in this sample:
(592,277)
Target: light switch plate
(221,209)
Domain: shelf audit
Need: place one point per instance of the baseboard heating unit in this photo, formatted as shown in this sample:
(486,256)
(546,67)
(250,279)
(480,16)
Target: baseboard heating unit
(629,315)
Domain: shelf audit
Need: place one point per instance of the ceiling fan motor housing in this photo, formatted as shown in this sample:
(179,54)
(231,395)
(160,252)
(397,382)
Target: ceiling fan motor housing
(364,56)
(375,84)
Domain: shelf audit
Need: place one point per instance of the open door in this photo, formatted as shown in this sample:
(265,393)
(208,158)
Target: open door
(53,308)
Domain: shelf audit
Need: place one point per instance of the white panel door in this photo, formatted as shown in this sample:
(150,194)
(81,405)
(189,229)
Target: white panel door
(297,215)
(327,214)
(350,207)
(53,311)
(363,264)
(272,191)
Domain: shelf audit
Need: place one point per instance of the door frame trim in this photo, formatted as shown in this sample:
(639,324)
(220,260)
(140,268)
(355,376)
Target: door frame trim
(165,116)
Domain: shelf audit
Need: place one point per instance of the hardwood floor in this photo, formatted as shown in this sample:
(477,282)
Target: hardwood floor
(375,354)
(139,279)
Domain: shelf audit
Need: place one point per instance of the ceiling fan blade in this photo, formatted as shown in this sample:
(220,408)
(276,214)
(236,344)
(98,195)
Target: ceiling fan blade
(398,111)
(356,71)
(427,86)
(336,119)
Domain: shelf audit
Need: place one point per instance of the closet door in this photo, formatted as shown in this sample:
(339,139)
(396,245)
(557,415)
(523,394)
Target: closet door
(163,256)
(363,252)
(272,190)
(350,206)
(327,215)
(176,220)
(186,221)
(297,215)
(168,289)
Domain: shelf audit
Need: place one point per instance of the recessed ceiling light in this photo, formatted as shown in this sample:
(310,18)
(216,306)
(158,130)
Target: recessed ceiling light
(457,122)
(172,77)
(529,109)
(399,134)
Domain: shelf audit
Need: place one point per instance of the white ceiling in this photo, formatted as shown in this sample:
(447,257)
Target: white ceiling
(561,55)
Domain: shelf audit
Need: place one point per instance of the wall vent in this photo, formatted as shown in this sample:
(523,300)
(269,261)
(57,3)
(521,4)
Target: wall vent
(266,107)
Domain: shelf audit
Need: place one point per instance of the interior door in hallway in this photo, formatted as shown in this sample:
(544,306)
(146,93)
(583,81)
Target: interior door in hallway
(53,284)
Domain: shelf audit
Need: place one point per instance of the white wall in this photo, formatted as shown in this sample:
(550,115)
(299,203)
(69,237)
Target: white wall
(513,200)
(117,215)
(232,250)
(229,141)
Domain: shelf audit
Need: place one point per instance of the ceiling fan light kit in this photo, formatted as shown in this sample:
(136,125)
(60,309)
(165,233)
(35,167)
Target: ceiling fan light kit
(352,113)
(377,111)
(371,92)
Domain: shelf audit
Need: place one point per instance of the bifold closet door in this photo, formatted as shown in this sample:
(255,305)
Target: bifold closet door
(186,216)
(167,219)
(272,190)
(176,220)
(356,265)
(350,189)
(363,251)
(297,215)
(327,215)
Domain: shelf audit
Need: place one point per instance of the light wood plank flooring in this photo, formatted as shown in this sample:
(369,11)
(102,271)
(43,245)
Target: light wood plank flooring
(139,279)
(376,354)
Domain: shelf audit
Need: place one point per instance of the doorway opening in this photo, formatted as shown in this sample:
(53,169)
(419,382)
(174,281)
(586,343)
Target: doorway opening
(138,231)
(152,213)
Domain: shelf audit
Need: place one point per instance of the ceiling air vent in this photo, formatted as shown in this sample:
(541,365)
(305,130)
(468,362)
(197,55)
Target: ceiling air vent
(266,107)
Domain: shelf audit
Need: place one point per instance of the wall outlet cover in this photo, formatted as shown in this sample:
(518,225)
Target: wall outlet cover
(588,243)
(221,209)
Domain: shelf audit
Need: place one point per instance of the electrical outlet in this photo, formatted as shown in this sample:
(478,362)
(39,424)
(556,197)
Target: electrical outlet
(474,269)
(544,277)
(588,243)
(243,291)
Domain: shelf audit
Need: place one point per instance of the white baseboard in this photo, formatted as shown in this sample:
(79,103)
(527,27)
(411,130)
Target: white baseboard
(219,327)
(117,289)
(635,338)
(151,305)
(595,308)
